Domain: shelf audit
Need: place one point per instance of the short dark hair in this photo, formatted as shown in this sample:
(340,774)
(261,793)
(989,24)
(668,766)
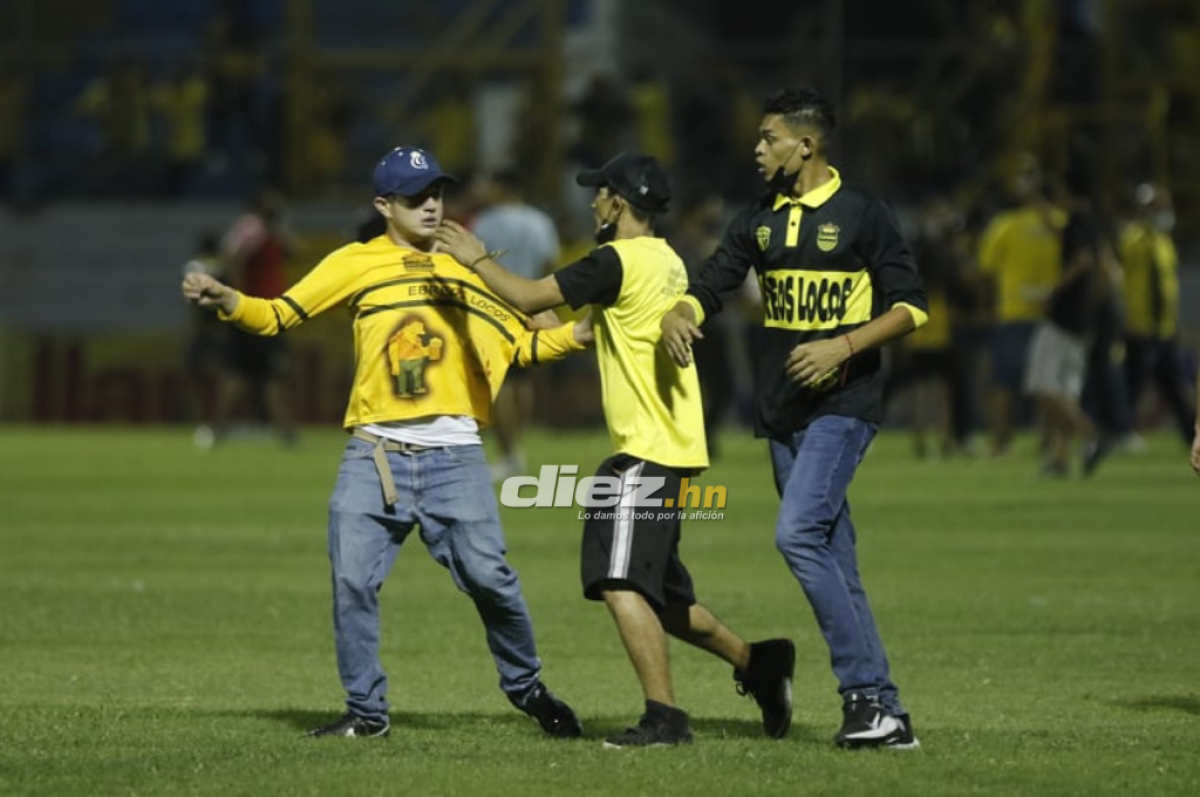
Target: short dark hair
(802,106)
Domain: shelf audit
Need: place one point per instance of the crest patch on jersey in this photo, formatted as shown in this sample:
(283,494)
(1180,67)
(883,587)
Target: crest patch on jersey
(827,237)
(763,236)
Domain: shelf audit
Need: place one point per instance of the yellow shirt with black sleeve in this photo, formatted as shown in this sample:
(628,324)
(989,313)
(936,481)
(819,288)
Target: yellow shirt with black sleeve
(651,405)
(1151,265)
(1021,250)
(827,262)
(430,339)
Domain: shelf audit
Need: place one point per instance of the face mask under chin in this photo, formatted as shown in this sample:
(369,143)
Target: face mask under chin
(607,232)
(1164,221)
(781,182)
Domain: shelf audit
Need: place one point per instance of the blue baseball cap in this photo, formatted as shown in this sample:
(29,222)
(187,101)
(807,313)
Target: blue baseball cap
(407,171)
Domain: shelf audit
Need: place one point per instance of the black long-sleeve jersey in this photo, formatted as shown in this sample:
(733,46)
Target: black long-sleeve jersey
(827,262)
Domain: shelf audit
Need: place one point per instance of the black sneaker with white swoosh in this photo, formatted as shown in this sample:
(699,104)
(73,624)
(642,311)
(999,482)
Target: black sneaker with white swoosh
(866,723)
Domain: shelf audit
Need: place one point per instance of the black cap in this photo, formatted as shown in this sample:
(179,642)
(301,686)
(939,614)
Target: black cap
(638,179)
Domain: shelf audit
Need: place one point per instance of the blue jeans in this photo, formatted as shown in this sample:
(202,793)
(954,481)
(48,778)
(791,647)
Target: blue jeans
(813,470)
(448,493)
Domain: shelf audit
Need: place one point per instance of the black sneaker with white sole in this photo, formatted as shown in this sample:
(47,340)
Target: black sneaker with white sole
(660,726)
(354,726)
(866,723)
(555,716)
(768,679)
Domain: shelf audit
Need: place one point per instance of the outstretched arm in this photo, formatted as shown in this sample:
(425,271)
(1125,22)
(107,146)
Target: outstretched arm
(528,296)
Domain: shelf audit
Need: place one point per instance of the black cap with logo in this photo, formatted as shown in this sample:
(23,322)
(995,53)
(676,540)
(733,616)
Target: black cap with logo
(638,179)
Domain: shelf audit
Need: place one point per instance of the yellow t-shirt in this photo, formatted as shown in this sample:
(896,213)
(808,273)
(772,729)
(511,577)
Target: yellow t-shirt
(1021,250)
(651,405)
(430,339)
(1151,266)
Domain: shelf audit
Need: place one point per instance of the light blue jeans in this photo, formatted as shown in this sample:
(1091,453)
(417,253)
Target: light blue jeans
(813,469)
(448,493)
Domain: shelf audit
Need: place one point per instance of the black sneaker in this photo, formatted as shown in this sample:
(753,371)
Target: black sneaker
(356,726)
(555,716)
(768,679)
(866,723)
(660,726)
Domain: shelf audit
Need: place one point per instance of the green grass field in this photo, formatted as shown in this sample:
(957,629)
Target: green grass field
(165,630)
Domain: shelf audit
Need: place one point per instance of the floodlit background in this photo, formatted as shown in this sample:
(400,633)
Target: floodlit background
(129,128)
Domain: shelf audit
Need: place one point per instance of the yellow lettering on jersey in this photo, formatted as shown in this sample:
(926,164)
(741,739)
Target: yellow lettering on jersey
(808,300)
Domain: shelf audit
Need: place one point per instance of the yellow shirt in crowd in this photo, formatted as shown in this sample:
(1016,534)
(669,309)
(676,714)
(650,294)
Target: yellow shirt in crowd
(1021,250)
(1151,266)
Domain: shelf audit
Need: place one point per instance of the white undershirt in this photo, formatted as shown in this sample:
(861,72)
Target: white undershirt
(438,431)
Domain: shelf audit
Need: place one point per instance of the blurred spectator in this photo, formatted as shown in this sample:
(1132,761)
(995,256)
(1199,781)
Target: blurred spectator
(1105,393)
(255,249)
(651,102)
(1152,300)
(930,357)
(1019,252)
(206,353)
(181,99)
(528,242)
(1058,353)
(118,103)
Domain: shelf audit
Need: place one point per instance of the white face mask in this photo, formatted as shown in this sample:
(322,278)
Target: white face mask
(1163,220)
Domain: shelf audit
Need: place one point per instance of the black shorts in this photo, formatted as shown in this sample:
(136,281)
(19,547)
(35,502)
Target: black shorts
(636,547)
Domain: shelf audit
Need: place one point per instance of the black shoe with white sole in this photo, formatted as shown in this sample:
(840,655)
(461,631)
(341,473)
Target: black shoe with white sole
(866,723)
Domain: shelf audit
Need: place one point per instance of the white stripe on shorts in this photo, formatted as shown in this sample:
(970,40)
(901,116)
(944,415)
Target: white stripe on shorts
(618,566)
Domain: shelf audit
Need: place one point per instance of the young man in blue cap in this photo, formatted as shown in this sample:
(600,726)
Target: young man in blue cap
(630,554)
(432,346)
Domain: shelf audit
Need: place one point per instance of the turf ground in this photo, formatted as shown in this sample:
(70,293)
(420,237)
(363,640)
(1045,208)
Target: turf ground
(165,630)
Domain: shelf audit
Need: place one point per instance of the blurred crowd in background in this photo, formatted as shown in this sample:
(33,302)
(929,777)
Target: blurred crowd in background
(966,117)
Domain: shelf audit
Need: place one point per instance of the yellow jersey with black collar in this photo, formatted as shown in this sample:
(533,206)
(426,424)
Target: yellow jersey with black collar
(430,339)
(826,262)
